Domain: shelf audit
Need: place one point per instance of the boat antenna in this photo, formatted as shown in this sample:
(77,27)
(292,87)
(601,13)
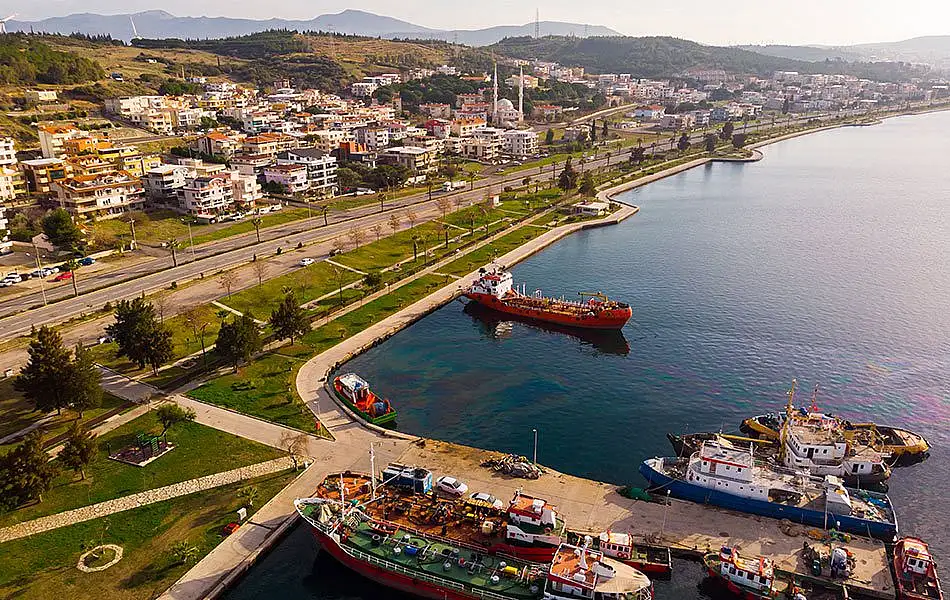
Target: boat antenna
(788,418)
(814,400)
(372,468)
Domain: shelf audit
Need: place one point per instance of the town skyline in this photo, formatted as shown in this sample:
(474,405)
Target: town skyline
(726,23)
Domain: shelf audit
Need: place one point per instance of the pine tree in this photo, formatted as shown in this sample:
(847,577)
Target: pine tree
(85,382)
(171,414)
(710,143)
(238,340)
(727,130)
(549,137)
(43,379)
(289,320)
(683,144)
(79,450)
(26,472)
(567,180)
(140,336)
(587,187)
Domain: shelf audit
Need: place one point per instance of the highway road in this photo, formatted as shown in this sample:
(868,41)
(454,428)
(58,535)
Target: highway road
(26,311)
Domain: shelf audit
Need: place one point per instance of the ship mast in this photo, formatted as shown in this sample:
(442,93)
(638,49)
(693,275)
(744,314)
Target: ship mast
(789,407)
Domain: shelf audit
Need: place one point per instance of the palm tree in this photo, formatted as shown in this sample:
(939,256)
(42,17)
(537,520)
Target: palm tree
(173,245)
(70,267)
(184,552)
(257,227)
(326,220)
(415,248)
(249,494)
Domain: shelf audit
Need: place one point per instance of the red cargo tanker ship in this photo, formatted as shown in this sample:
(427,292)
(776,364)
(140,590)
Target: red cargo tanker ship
(495,290)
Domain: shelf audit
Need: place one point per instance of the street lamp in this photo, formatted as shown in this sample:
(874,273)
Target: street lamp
(132,225)
(39,266)
(535,456)
(191,239)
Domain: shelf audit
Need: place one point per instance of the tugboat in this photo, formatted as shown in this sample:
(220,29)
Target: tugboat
(495,290)
(581,573)
(748,578)
(730,478)
(355,393)
(915,571)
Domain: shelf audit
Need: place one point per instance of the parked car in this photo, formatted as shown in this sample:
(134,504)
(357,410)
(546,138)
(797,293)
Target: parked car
(86,261)
(451,486)
(306,262)
(47,271)
(486,499)
(38,273)
(65,276)
(11,279)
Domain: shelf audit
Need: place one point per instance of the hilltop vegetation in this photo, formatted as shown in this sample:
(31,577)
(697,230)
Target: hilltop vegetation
(25,60)
(657,57)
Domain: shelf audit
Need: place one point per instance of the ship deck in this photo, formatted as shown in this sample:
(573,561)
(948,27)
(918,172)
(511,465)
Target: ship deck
(688,529)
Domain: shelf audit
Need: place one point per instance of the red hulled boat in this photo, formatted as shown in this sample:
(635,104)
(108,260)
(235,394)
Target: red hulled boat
(495,290)
(915,571)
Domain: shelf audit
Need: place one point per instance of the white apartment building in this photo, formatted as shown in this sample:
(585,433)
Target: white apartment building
(52,138)
(39,96)
(292,177)
(157,121)
(479,149)
(100,196)
(328,140)
(207,196)
(247,191)
(6,244)
(520,143)
(321,168)
(374,138)
(130,105)
(363,89)
(164,184)
(7,152)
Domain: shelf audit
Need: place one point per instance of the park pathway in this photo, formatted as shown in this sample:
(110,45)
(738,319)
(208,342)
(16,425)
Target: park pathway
(109,507)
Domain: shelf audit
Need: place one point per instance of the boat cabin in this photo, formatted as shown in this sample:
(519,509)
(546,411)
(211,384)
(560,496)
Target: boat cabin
(528,510)
(616,545)
(749,573)
(837,498)
(354,387)
(916,572)
(493,283)
(578,572)
(820,446)
(726,468)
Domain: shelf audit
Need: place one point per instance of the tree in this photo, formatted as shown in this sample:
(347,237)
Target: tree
(785,106)
(637,154)
(84,384)
(26,472)
(249,494)
(48,366)
(567,180)
(296,445)
(739,140)
(710,142)
(60,229)
(199,322)
(70,267)
(140,336)
(326,216)
(173,245)
(394,222)
(377,230)
(260,269)
(170,414)
(289,320)
(549,137)
(415,248)
(257,222)
(184,553)
(238,340)
(227,281)
(348,179)
(587,187)
(605,130)
(444,204)
(411,217)
(444,230)
(683,144)
(727,129)
(593,131)
(373,279)
(79,449)
(356,236)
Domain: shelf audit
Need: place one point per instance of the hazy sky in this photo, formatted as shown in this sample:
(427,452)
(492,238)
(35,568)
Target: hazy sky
(710,21)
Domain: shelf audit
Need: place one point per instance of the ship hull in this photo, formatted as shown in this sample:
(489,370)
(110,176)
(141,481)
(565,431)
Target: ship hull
(538,554)
(396,581)
(796,514)
(608,319)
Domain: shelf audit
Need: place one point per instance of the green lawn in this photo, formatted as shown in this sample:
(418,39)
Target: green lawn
(390,250)
(184,340)
(43,566)
(487,253)
(17,413)
(264,388)
(285,215)
(199,451)
(308,284)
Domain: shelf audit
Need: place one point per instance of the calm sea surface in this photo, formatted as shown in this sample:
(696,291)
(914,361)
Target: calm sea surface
(828,261)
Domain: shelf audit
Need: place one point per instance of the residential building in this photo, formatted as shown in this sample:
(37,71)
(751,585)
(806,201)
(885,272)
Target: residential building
(530,81)
(520,143)
(164,184)
(12,183)
(374,138)
(436,111)
(218,143)
(547,112)
(6,244)
(251,164)
(39,96)
(41,173)
(479,149)
(463,99)
(268,143)
(417,160)
(138,165)
(52,138)
(85,145)
(89,164)
(292,177)
(130,105)
(246,190)
(466,127)
(354,152)
(156,121)
(328,140)
(321,168)
(207,196)
(678,121)
(100,196)
(7,152)
(652,112)
(439,128)
(363,89)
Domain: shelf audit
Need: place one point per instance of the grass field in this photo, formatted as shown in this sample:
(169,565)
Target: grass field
(487,253)
(199,451)
(43,566)
(308,283)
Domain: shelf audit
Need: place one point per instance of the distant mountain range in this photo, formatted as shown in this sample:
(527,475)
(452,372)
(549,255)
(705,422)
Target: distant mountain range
(160,24)
(931,50)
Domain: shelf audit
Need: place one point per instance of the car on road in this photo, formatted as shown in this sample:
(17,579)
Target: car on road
(38,273)
(11,279)
(306,262)
(47,271)
(451,486)
(64,276)
(86,261)
(486,499)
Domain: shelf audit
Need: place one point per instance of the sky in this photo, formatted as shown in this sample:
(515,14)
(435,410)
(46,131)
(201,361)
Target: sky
(725,22)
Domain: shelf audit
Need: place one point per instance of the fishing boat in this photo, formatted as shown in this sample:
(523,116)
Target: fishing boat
(750,578)
(650,559)
(495,289)
(903,446)
(915,571)
(731,478)
(355,392)
(579,573)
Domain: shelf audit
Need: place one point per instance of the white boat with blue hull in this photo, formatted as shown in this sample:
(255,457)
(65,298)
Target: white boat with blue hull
(730,477)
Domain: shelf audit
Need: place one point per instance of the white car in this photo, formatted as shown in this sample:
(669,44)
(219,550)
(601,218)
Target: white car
(11,279)
(306,262)
(451,486)
(487,500)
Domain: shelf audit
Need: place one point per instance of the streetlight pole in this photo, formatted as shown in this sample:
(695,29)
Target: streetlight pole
(132,225)
(39,266)
(535,456)
(191,239)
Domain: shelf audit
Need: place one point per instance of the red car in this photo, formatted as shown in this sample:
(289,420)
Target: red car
(66,276)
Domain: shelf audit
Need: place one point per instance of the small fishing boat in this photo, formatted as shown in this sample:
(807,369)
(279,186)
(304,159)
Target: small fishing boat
(749,578)
(653,560)
(354,391)
(915,571)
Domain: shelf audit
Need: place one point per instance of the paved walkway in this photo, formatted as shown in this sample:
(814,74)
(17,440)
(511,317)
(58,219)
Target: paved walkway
(109,507)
